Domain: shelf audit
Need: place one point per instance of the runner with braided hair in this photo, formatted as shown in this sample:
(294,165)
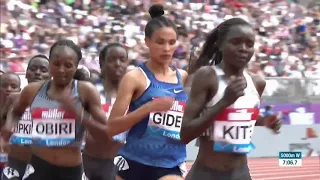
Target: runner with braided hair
(223,105)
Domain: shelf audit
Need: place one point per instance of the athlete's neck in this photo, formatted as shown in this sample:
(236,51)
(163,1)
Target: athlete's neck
(230,70)
(55,88)
(158,68)
(109,86)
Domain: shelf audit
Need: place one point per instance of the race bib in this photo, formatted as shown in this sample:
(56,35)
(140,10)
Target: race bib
(22,132)
(233,129)
(167,124)
(53,127)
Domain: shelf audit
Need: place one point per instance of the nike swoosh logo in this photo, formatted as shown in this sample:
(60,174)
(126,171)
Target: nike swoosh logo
(177,91)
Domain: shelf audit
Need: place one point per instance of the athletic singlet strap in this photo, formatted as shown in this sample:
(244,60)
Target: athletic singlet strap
(104,96)
(148,82)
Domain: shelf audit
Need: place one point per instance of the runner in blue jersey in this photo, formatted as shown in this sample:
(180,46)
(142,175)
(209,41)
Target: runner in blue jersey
(62,108)
(223,106)
(19,151)
(155,95)
(98,156)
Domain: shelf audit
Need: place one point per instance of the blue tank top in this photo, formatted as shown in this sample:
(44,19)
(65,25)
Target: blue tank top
(53,126)
(155,141)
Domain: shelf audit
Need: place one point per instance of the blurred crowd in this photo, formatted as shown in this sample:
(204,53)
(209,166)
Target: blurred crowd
(287,40)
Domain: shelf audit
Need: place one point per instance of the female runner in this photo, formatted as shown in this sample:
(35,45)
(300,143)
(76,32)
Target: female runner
(61,110)
(228,102)
(19,152)
(155,95)
(9,83)
(98,156)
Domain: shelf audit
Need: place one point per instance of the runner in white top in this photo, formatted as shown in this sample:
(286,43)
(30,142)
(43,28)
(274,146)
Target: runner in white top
(223,105)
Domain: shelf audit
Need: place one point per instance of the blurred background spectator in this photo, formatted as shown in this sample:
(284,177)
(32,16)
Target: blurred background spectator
(287,41)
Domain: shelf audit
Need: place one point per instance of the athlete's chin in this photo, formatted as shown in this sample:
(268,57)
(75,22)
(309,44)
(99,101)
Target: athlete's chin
(165,61)
(120,74)
(117,77)
(35,80)
(62,82)
(241,64)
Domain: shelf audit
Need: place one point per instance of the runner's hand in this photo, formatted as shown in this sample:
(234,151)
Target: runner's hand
(273,122)
(68,102)
(161,104)
(234,90)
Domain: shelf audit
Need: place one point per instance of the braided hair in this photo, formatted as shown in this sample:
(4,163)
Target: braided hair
(211,49)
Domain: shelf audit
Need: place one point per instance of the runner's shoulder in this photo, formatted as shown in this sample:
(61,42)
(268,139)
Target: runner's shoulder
(206,70)
(205,74)
(256,78)
(258,81)
(86,85)
(134,76)
(30,91)
(86,90)
(33,88)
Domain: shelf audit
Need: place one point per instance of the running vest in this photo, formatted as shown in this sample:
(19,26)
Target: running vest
(107,102)
(52,126)
(233,128)
(22,132)
(155,141)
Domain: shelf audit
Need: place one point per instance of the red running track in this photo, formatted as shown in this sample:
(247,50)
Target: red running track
(268,169)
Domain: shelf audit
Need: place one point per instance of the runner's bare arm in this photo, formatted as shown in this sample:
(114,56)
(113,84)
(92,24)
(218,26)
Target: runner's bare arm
(118,122)
(13,98)
(95,124)
(24,101)
(260,85)
(202,90)
(4,110)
